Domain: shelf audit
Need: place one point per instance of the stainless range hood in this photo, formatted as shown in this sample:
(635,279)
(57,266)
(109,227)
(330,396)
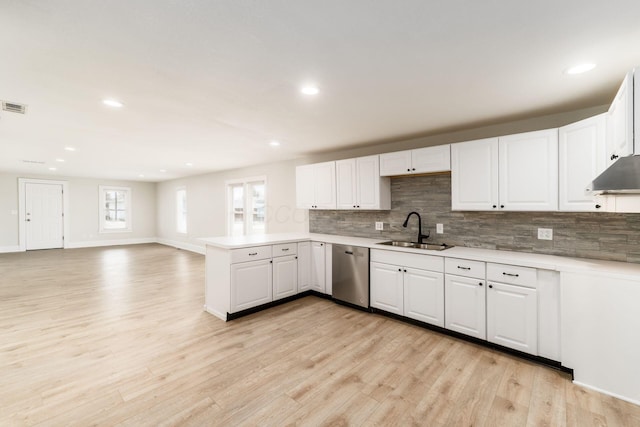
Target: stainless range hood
(621,177)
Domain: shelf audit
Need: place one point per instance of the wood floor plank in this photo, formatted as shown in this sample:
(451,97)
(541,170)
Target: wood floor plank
(117,336)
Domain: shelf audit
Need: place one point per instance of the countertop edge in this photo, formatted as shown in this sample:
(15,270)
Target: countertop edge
(526,259)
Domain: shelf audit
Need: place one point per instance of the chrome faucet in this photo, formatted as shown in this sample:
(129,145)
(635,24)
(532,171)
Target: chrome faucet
(421,236)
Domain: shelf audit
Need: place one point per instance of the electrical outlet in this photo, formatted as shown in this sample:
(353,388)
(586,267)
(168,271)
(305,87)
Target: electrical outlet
(379,226)
(439,229)
(545,233)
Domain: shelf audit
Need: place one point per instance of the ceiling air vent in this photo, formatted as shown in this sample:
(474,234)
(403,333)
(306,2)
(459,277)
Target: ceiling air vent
(14,107)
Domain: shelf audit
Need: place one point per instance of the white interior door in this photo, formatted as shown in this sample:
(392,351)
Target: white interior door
(43,216)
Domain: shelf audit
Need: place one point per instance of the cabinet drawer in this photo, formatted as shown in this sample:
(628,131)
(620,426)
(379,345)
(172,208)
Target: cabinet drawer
(285,249)
(423,262)
(465,268)
(250,254)
(512,274)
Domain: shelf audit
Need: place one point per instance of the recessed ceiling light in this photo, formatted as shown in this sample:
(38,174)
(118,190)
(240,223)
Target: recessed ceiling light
(274,143)
(141,175)
(581,68)
(112,103)
(163,170)
(310,90)
(60,160)
(188,164)
(69,148)
(53,169)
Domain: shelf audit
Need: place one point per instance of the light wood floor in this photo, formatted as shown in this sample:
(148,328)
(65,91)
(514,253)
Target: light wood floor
(117,336)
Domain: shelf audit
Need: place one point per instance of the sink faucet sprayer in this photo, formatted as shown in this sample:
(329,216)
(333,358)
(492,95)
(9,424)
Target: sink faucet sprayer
(421,236)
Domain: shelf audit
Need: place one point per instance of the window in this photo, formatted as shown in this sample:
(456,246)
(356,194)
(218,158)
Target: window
(115,209)
(181,210)
(246,202)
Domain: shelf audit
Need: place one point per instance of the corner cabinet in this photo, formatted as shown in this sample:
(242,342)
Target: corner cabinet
(582,157)
(511,173)
(421,160)
(359,185)
(316,186)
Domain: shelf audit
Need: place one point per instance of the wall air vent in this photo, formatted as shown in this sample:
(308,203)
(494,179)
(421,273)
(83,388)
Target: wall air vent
(14,107)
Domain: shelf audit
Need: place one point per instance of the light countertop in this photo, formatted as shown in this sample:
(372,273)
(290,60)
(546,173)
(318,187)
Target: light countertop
(541,261)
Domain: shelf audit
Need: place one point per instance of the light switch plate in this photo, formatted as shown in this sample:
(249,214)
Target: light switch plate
(439,228)
(379,226)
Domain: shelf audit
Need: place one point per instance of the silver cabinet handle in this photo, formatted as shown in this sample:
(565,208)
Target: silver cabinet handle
(464,268)
(253,253)
(285,249)
(510,274)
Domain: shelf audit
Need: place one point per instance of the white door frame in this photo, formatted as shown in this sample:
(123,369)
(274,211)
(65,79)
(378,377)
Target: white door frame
(22,234)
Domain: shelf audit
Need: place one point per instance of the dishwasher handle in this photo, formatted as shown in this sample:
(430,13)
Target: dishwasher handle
(348,252)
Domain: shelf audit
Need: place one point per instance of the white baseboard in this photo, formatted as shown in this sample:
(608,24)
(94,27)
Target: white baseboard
(182,245)
(114,242)
(221,316)
(8,249)
(608,393)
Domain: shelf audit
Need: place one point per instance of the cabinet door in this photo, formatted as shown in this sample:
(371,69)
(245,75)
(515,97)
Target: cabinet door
(368,182)
(620,122)
(582,151)
(325,185)
(285,276)
(304,266)
(474,175)
(424,296)
(512,319)
(305,187)
(397,163)
(250,284)
(465,306)
(317,266)
(431,159)
(346,184)
(387,290)
(528,174)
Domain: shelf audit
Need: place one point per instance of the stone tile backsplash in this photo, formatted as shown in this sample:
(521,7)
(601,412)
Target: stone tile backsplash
(608,236)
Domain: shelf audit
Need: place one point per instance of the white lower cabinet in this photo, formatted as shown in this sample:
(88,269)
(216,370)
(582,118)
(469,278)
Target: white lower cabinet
(318,270)
(398,287)
(304,266)
(424,296)
(512,317)
(251,284)
(285,276)
(465,309)
(387,287)
(512,307)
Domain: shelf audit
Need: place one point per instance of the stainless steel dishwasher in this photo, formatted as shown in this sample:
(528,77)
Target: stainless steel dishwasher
(350,274)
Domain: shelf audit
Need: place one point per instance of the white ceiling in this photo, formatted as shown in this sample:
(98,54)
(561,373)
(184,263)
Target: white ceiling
(212,82)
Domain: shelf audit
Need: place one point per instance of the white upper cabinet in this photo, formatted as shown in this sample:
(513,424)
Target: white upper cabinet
(582,157)
(316,186)
(359,185)
(421,160)
(512,173)
(620,121)
(474,175)
(528,173)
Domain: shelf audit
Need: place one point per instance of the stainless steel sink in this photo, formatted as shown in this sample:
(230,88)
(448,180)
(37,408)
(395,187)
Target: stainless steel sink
(425,246)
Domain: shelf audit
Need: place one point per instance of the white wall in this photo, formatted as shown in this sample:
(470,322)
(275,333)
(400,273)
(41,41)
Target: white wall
(206,199)
(83,214)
